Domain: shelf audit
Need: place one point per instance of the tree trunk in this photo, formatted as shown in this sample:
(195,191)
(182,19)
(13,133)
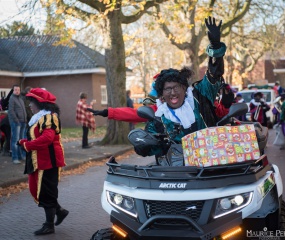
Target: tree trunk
(192,60)
(117,131)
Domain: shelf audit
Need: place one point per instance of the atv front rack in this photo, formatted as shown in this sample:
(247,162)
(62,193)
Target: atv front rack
(195,177)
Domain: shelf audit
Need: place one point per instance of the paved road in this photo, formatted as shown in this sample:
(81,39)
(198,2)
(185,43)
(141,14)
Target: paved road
(80,194)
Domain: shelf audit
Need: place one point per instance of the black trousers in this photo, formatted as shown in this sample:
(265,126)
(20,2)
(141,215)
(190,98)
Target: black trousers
(49,191)
(85,136)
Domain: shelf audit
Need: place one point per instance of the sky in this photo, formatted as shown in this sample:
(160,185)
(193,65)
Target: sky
(10,11)
(8,8)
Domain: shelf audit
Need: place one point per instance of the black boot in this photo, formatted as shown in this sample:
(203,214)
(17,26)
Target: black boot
(61,214)
(48,226)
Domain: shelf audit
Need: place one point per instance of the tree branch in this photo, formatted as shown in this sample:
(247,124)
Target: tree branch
(168,34)
(234,20)
(79,13)
(99,6)
(140,13)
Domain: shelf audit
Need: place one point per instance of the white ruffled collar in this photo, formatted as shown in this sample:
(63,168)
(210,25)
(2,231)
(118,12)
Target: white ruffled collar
(36,117)
(185,113)
(256,103)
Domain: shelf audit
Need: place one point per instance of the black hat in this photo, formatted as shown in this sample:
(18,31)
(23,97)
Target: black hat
(258,94)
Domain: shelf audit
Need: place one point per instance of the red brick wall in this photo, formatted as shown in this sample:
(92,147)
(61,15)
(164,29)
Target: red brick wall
(269,75)
(8,82)
(257,73)
(67,89)
(264,70)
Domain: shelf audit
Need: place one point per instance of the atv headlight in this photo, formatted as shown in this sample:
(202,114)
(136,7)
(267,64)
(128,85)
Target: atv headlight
(233,203)
(124,203)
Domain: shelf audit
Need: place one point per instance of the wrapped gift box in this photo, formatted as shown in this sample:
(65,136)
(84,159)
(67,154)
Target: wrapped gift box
(220,145)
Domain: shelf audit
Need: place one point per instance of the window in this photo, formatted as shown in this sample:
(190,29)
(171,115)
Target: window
(104,98)
(4,92)
(248,95)
(267,96)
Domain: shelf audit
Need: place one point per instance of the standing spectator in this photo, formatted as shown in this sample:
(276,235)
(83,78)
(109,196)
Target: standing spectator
(17,119)
(85,118)
(239,99)
(282,117)
(6,132)
(2,135)
(130,104)
(4,102)
(4,124)
(278,89)
(277,109)
(28,109)
(45,156)
(258,108)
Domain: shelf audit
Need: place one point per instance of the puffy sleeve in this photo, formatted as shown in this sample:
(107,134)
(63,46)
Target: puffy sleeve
(48,127)
(126,114)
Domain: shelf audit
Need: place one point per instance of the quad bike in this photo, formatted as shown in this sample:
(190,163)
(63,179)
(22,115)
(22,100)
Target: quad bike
(167,200)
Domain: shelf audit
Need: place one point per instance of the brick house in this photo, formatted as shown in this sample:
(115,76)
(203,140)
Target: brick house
(65,71)
(265,71)
(270,70)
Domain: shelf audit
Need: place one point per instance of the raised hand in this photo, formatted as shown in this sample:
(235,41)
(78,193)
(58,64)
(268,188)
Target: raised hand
(214,32)
(103,113)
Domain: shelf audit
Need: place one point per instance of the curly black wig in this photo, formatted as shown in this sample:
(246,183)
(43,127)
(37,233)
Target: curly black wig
(182,76)
(45,105)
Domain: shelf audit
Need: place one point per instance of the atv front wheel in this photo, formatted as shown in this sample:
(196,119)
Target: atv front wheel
(276,221)
(282,216)
(105,234)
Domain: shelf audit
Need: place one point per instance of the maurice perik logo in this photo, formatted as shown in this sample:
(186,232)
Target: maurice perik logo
(265,234)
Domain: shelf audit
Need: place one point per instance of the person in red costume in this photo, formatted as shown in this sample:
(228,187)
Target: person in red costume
(225,101)
(127,114)
(258,108)
(45,156)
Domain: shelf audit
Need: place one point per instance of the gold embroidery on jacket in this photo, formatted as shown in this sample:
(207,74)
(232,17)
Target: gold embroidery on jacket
(34,152)
(40,177)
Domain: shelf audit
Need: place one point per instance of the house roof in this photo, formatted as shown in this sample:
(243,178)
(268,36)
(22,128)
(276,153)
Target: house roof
(38,54)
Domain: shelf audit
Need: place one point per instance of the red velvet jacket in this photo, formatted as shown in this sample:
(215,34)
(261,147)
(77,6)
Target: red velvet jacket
(130,114)
(44,143)
(127,114)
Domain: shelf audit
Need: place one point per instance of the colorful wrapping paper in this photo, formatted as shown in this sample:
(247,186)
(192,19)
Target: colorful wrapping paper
(220,145)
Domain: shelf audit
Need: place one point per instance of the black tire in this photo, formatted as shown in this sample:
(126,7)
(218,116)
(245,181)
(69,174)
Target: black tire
(276,221)
(105,234)
(282,216)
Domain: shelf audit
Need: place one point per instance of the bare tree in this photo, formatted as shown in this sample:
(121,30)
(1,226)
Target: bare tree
(148,52)
(111,15)
(183,22)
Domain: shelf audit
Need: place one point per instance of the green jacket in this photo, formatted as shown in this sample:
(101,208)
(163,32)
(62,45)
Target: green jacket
(204,92)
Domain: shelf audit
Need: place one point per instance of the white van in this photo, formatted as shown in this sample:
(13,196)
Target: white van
(268,95)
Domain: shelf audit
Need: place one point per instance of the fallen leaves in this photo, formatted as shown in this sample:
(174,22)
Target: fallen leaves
(8,191)
(82,168)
